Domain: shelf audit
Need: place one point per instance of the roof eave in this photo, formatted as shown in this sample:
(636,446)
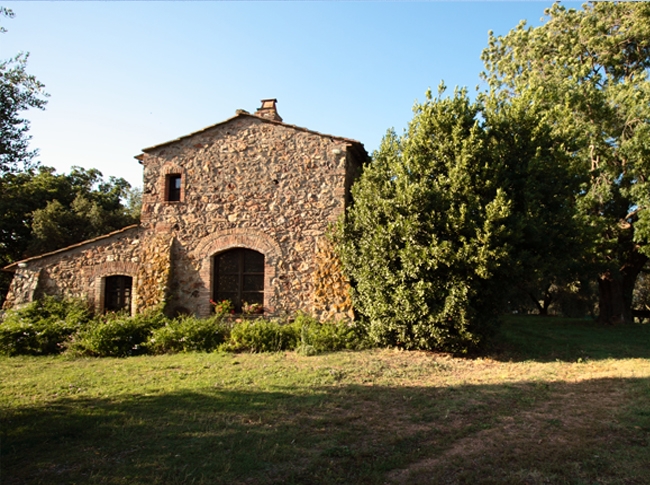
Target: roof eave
(12,267)
(240,114)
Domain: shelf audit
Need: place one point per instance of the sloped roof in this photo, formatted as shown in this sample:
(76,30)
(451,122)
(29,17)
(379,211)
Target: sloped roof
(243,114)
(12,267)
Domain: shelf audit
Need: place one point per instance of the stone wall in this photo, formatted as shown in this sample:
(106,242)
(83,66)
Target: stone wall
(248,182)
(270,182)
(79,271)
(331,296)
(23,287)
(153,273)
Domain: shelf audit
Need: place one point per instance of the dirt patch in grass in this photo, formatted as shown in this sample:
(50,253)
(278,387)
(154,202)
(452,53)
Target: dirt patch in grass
(541,441)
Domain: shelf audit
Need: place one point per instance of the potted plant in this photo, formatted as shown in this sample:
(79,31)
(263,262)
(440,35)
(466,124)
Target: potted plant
(252,308)
(223,307)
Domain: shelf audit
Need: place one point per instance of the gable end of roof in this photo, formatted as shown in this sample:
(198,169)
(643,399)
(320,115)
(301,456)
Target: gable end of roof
(246,114)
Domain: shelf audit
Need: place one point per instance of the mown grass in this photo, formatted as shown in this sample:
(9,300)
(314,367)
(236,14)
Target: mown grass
(558,402)
(570,339)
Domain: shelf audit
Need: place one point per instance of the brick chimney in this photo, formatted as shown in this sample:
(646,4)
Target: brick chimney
(268,110)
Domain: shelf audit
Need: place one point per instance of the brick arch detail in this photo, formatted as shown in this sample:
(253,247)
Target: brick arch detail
(171,167)
(99,273)
(238,238)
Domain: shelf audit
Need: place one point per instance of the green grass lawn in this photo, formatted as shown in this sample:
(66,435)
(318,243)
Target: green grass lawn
(556,401)
(571,339)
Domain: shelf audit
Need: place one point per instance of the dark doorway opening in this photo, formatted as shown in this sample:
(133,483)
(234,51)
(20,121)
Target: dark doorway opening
(239,277)
(117,293)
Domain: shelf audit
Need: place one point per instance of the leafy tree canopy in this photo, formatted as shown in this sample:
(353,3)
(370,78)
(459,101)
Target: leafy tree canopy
(19,91)
(549,241)
(585,73)
(86,206)
(468,207)
(426,233)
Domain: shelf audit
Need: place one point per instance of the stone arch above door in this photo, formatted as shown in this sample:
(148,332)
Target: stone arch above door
(238,238)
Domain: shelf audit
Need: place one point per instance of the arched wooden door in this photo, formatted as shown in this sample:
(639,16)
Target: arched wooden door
(239,277)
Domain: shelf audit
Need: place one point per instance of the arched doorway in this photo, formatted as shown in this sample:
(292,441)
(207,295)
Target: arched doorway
(117,293)
(239,277)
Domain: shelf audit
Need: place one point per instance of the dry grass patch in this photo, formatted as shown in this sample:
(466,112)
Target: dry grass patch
(568,435)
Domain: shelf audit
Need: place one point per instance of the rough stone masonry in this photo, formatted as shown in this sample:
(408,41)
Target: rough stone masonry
(251,182)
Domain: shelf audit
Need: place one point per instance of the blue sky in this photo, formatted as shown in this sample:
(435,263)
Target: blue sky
(127,75)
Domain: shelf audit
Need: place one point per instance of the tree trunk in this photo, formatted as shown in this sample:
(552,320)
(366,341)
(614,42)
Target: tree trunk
(542,308)
(615,292)
(611,308)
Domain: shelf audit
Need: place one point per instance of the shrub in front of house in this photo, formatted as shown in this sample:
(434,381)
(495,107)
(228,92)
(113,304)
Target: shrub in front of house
(52,325)
(42,327)
(188,333)
(317,337)
(262,335)
(305,334)
(117,334)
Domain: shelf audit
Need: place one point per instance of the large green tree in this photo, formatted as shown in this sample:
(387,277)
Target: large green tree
(19,91)
(549,241)
(472,205)
(425,237)
(42,211)
(585,72)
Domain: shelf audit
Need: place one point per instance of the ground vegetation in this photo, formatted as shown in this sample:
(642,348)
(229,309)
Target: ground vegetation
(54,326)
(558,401)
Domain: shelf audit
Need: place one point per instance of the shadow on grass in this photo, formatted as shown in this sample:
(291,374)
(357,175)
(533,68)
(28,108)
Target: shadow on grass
(549,339)
(517,433)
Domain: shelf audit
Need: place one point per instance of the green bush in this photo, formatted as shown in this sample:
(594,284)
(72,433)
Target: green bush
(117,334)
(262,336)
(53,325)
(42,327)
(305,334)
(316,337)
(425,242)
(189,333)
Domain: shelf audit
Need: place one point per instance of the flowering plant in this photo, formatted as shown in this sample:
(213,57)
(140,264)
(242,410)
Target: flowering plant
(252,308)
(224,307)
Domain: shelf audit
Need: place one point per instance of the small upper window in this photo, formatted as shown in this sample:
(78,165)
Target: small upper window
(174,187)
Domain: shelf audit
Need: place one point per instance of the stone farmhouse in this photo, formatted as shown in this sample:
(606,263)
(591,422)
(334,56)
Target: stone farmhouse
(239,210)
